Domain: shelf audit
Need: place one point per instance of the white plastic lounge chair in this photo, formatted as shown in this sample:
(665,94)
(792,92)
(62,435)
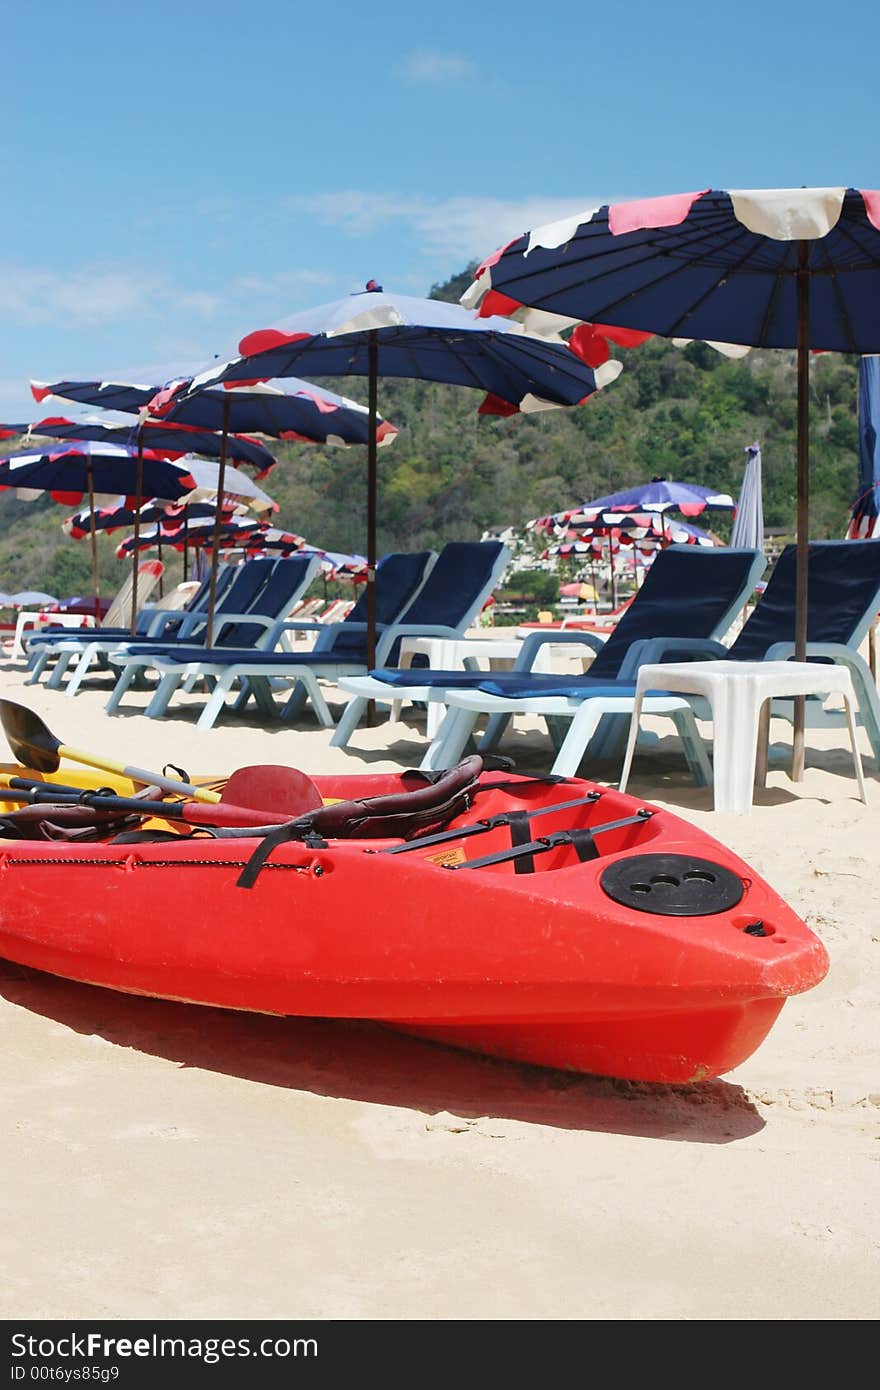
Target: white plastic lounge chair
(689,591)
(149,574)
(80,652)
(398,578)
(844,593)
(277,585)
(456,588)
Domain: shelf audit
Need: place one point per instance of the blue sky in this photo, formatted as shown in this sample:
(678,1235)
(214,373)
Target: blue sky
(177,174)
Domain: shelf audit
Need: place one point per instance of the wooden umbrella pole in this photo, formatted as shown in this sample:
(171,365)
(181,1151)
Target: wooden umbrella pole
(803,498)
(135,559)
(185,542)
(372,489)
(218,520)
(96,586)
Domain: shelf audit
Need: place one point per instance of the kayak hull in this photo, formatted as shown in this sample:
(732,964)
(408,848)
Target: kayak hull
(542,966)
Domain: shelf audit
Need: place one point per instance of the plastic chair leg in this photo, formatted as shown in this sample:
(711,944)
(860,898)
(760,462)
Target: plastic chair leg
(451,741)
(126,677)
(350,718)
(55,681)
(164,691)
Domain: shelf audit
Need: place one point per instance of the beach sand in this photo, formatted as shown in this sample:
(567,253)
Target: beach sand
(167,1161)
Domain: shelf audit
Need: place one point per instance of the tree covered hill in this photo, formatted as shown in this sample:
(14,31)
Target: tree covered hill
(687,414)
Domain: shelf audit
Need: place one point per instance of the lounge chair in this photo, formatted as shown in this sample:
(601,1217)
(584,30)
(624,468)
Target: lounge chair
(843,602)
(236,589)
(398,578)
(149,573)
(276,588)
(66,647)
(689,592)
(844,594)
(444,606)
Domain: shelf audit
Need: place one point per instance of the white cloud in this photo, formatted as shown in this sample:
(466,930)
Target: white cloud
(91,296)
(424,67)
(455,227)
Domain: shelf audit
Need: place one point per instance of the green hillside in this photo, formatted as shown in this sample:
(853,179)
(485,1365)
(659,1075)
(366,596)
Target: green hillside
(687,414)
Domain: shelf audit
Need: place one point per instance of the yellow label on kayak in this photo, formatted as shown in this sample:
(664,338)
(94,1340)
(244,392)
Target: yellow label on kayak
(447,857)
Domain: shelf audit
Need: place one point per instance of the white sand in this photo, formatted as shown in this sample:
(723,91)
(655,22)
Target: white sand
(166,1161)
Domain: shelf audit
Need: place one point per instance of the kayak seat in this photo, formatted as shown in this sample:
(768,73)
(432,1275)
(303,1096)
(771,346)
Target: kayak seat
(400,815)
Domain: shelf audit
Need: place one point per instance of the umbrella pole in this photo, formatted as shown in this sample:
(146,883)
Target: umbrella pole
(372,488)
(803,498)
(96,588)
(218,517)
(185,543)
(135,558)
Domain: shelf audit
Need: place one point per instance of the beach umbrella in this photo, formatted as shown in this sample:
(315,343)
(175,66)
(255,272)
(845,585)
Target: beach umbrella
(30,598)
(119,517)
(235,533)
(865,516)
(748,524)
(69,472)
(171,440)
(293,410)
(660,495)
(771,268)
(377,334)
(176,517)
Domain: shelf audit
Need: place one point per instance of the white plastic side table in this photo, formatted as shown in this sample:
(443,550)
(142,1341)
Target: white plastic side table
(736,692)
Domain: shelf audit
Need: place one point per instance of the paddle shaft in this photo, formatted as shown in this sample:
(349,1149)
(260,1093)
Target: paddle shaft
(137,774)
(193,813)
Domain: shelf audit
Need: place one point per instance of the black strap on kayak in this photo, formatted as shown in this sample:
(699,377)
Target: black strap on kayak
(547,779)
(521,834)
(580,839)
(490,823)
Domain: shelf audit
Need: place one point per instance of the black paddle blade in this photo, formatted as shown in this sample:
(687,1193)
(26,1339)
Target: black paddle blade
(31,742)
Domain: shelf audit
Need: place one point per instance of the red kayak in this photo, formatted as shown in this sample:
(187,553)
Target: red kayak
(552,921)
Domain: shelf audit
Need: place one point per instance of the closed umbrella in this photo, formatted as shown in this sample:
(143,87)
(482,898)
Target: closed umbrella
(865,516)
(788,268)
(748,524)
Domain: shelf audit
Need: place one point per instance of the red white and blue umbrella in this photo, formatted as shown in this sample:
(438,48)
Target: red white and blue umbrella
(786,268)
(171,440)
(69,472)
(236,533)
(292,410)
(120,517)
(381,334)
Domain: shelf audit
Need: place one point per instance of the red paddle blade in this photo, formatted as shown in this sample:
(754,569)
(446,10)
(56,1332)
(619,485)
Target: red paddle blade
(284,791)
